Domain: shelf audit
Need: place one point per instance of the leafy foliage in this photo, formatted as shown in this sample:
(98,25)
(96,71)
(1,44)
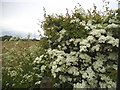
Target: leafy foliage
(78,51)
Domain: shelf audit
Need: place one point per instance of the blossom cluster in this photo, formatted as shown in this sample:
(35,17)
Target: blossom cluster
(84,62)
(69,66)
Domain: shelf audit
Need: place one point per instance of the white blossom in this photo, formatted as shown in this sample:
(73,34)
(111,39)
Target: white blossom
(83,48)
(73,70)
(80,85)
(43,67)
(62,78)
(81,11)
(102,39)
(87,28)
(83,23)
(89,23)
(91,39)
(69,79)
(96,48)
(13,73)
(112,26)
(38,82)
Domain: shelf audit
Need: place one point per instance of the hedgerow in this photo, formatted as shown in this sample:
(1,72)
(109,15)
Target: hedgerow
(83,49)
(79,50)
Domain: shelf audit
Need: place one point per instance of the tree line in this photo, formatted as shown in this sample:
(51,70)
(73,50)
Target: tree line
(12,38)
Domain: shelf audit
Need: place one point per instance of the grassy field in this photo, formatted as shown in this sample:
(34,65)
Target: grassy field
(14,48)
(17,63)
(6,45)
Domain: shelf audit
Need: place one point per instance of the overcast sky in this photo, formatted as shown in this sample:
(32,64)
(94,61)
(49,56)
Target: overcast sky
(20,17)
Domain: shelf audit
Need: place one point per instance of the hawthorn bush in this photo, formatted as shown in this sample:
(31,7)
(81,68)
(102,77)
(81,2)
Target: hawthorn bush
(78,51)
(83,49)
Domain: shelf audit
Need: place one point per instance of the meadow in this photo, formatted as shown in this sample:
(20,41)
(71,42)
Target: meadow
(15,44)
(17,58)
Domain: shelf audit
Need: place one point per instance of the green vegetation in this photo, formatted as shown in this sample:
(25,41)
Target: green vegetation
(78,51)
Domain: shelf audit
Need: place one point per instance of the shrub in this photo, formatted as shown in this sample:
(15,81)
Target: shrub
(83,49)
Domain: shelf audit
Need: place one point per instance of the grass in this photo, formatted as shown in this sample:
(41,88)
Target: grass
(6,45)
(17,56)
(15,48)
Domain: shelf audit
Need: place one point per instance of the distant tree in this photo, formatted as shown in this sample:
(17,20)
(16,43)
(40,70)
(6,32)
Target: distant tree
(17,38)
(34,39)
(11,38)
(6,37)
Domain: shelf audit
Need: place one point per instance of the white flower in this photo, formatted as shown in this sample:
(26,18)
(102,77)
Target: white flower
(77,20)
(83,23)
(57,70)
(111,20)
(93,26)
(111,42)
(72,21)
(90,72)
(80,11)
(80,85)
(43,67)
(84,42)
(62,78)
(87,28)
(73,70)
(102,39)
(85,57)
(54,66)
(37,60)
(71,40)
(84,75)
(97,32)
(62,31)
(96,48)
(112,26)
(108,82)
(98,26)
(64,48)
(13,73)
(76,41)
(115,67)
(100,57)
(89,23)
(54,75)
(67,42)
(60,63)
(109,37)
(102,85)
(71,58)
(69,79)
(59,46)
(38,82)
(103,31)
(91,39)
(83,48)
(114,42)
(98,65)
